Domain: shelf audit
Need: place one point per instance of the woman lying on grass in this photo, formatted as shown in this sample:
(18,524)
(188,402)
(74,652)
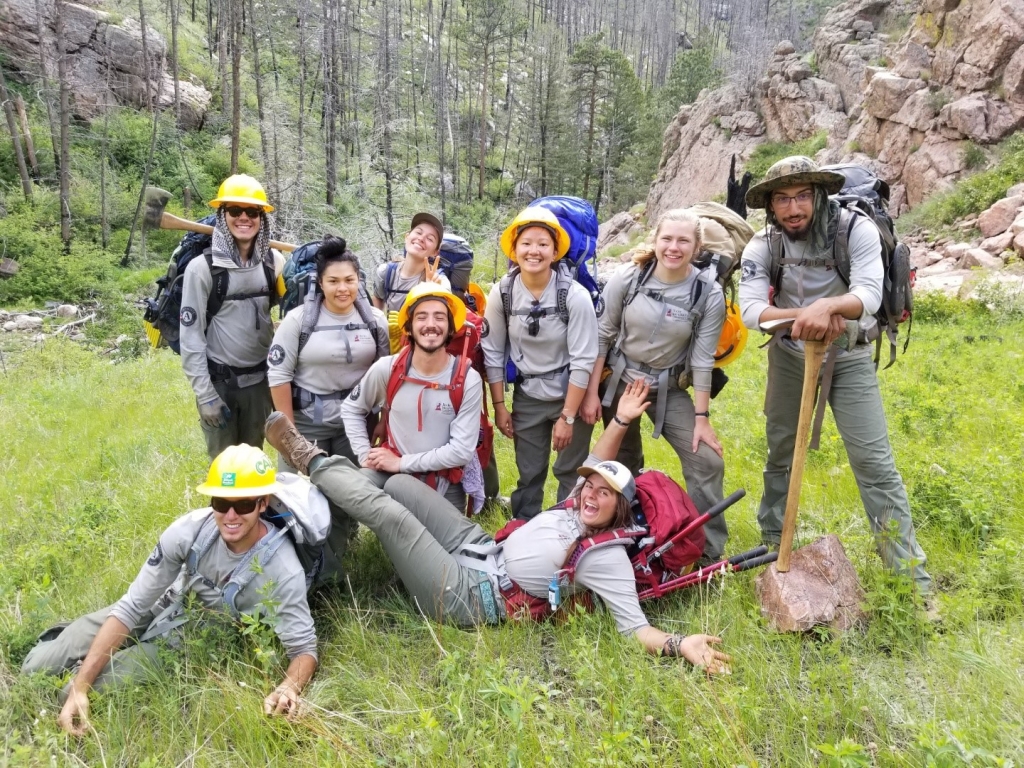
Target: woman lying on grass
(433,546)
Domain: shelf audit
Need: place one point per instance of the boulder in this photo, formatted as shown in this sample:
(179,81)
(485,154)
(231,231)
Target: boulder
(933,167)
(25,323)
(1013,77)
(997,36)
(820,589)
(997,244)
(887,92)
(1017,190)
(841,58)
(67,310)
(617,230)
(982,118)
(938,268)
(1000,216)
(920,258)
(978,257)
(917,111)
(1018,244)
(955,251)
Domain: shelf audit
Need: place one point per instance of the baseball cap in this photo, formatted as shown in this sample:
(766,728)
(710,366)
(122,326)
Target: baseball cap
(616,475)
(428,218)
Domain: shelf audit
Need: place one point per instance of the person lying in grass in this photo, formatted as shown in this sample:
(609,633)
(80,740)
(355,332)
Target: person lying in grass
(227,544)
(432,545)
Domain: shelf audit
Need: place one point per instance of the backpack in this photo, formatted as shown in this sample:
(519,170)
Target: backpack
(865,196)
(298,511)
(465,346)
(739,232)
(162,313)
(456,263)
(664,541)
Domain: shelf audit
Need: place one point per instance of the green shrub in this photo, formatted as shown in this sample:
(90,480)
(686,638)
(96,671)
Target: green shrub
(766,155)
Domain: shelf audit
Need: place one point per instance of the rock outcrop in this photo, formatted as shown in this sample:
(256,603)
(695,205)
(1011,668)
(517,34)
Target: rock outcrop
(98,50)
(796,105)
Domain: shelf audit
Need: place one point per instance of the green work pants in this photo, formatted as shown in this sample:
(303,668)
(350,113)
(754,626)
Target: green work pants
(533,421)
(69,648)
(703,471)
(250,406)
(856,404)
(421,533)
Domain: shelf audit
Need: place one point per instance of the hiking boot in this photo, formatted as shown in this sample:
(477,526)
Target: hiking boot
(295,449)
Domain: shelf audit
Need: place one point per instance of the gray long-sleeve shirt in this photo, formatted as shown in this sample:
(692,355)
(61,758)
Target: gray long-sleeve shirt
(334,359)
(801,286)
(238,335)
(657,334)
(294,625)
(555,346)
(427,432)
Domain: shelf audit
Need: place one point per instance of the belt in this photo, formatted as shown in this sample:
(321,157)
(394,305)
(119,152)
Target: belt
(230,373)
(521,377)
(302,398)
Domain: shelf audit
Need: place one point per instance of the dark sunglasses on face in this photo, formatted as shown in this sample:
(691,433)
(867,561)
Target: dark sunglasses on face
(241,506)
(234,211)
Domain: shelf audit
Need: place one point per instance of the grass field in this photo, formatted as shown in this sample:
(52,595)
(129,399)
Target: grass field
(97,458)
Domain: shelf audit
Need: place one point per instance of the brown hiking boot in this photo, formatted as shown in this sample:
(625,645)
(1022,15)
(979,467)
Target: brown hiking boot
(293,447)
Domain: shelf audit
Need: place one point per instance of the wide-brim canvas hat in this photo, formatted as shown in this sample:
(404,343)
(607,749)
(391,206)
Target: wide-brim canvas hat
(539,217)
(789,172)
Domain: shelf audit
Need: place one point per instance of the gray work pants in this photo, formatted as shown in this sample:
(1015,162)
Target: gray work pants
(333,440)
(421,532)
(69,648)
(250,406)
(533,421)
(856,404)
(454,494)
(704,471)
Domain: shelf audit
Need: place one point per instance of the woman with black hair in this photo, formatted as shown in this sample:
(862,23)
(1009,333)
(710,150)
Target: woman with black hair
(323,348)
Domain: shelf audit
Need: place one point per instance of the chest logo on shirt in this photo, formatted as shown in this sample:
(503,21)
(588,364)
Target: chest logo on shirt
(748,270)
(157,556)
(276,356)
(445,408)
(188,316)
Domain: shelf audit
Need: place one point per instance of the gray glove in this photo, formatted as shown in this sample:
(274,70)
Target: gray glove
(215,413)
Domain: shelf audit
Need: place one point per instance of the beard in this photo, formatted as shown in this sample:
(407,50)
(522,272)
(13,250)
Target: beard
(428,344)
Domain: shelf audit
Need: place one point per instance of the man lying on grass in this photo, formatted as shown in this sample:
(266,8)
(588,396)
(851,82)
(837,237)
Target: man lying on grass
(226,544)
(433,545)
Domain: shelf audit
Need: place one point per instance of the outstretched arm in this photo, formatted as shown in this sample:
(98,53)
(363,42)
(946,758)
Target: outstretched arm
(74,716)
(696,649)
(284,699)
(632,404)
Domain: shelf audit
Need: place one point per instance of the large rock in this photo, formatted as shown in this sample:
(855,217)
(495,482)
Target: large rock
(998,243)
(840,56)
(887,92)
(820,589)
(1013,77)
(618,230)
(996,36)
(982,118)
(934,167)
(999,217)
(795,104)
(978,257)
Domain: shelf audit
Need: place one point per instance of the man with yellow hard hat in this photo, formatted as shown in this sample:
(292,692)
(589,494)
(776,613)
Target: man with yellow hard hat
(227,555)
(431,401)
(225,322)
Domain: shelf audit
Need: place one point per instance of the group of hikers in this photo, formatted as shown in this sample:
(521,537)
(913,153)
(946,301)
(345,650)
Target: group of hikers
(394,441)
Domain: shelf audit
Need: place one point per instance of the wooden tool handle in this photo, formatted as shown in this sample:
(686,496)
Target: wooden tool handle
(814,353)
(170,221)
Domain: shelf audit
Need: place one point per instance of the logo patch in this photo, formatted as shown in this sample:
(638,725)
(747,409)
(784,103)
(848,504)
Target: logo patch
(157,556)
(188,316)
(445,408)
(485,328)
(262,466)
(276,356)
(355,392)
(227,479)
(748,270)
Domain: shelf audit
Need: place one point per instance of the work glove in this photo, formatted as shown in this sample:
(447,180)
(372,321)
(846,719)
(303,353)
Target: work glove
(215,413)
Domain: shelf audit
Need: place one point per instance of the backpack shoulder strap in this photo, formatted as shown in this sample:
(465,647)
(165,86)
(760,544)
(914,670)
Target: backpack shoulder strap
(270,273)
(775,248)
(458,381)
(205,538)
(841,246)
(380,335)
(389,280)
(254,562)
(639,278)
(220,286)
(563,282)
(310,314)
(505,289)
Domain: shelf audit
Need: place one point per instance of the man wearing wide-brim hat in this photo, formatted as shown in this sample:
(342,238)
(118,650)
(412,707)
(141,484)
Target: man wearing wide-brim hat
(794,255)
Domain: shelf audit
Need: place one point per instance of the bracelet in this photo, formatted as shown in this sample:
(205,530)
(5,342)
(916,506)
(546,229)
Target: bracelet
(705,414)
(619,421)
(673,646)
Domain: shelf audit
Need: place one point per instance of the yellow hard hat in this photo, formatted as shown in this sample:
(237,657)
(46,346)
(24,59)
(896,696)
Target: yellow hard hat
(733,337)
(422,291)
(542,217)
(479,298)
(240,472)
(241,189)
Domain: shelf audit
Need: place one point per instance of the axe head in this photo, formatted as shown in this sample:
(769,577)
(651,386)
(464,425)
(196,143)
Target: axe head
(156,201)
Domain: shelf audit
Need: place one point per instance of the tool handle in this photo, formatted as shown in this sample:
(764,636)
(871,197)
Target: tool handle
(756,562)
(715,511)
(814,353)
(170,221)
(750,554)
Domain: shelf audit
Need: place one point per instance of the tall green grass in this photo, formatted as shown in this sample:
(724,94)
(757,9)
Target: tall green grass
(98,458)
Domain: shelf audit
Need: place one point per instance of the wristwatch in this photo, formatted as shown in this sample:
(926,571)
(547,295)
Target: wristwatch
(705,414)
(568,419)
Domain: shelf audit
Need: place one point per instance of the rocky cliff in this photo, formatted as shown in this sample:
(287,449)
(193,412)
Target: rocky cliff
(104,59)
(917,109)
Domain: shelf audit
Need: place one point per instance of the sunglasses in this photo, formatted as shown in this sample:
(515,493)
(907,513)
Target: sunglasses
(533,321)
(241,506)
(234,211)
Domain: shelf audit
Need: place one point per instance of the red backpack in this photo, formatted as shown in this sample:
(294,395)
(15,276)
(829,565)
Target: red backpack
(666,540)
(465,345)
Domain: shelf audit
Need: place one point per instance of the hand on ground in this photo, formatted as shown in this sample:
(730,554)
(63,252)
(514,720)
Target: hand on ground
(698,650)
(283,700)
(74,716)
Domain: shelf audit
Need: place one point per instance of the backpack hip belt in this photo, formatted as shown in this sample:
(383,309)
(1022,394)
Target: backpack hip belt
(302,398)
(230,373)
(664,376)
(521,377)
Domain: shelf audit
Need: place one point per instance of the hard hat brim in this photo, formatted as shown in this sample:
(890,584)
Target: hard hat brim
(217,202)
(507,241)
(455,306)
(221,492)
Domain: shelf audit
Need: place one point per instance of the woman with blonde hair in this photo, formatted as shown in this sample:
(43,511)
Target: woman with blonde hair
(662,320)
